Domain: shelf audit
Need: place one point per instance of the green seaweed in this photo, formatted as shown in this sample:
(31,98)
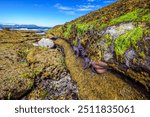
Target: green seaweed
(82,28)
(108,39)
(142,54)
(123,42)
(146,17)
(67,31)
(74,42)
(135,15)
(27,75)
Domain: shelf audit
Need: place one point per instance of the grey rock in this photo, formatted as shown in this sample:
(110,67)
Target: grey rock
(64,86)
(129,55)
(116,31)
(44,42)
(108,56)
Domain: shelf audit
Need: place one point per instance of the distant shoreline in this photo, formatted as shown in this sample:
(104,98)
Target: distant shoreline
(39,31)
(35,28)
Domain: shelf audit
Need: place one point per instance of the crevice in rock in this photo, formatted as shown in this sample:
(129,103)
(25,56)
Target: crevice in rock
(137,85)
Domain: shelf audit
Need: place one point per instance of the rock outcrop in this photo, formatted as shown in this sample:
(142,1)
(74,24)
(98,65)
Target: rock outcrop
(16,77)
(118,35)
(53,79)
(28,72)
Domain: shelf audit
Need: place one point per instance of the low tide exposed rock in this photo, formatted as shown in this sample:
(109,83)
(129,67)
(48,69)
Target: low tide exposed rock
(125,47)
(15,81)
(16,76)
(65,88)
(98,86)
(49,63)
(120,39)
(53,80)
(28,72)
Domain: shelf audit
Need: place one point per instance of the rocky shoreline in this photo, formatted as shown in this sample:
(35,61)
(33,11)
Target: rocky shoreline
(29,72)
(32,69)
(102,55)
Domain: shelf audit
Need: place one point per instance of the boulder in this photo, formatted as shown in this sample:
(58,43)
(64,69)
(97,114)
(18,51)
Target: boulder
(44,42)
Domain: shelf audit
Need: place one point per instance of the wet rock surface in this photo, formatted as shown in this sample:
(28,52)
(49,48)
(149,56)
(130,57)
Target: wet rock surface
(16,78)
(48,89)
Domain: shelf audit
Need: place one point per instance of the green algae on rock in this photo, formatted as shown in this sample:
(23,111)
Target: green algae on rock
(92,86)
(117,34)
(130,38)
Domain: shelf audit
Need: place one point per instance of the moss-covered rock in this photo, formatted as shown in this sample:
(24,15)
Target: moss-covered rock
(15,83)
(28,72)
(16,77)
(49,63)
(53,80)
(92,86)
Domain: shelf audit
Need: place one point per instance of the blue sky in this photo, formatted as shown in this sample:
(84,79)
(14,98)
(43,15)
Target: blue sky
(46,12)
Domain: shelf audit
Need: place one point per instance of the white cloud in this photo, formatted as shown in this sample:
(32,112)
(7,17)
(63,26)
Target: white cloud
(61,7)
(78,8)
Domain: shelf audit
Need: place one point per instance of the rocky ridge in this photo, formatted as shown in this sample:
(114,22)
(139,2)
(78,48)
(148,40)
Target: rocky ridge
(117,34)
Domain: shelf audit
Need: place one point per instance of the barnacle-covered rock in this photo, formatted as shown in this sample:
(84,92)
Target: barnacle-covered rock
(125,49)
(15,82)
(65,88)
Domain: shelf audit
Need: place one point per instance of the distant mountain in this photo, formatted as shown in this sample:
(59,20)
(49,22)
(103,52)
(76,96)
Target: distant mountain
(22,26)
